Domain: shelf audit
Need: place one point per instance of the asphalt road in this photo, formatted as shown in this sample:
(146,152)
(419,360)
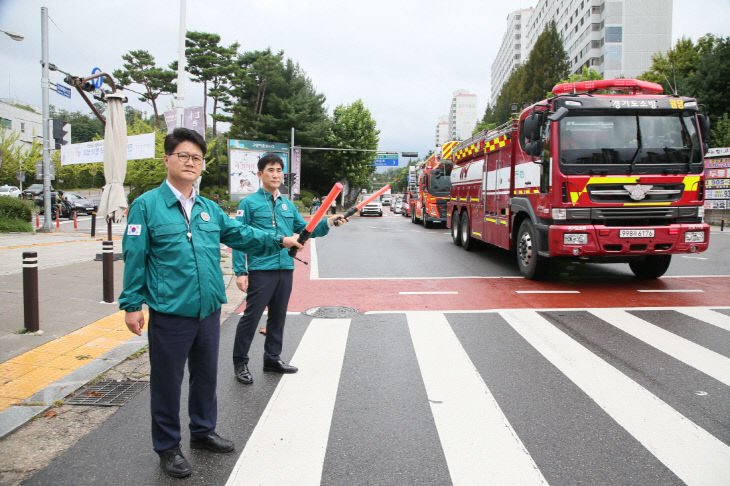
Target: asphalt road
(600,396)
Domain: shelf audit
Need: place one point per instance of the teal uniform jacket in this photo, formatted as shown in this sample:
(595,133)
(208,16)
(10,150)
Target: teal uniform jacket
(171,273)
(256,210)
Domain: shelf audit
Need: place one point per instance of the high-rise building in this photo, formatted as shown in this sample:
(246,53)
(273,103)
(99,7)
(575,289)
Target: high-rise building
(513,50)
(462,115)
(617,38)
(442,131)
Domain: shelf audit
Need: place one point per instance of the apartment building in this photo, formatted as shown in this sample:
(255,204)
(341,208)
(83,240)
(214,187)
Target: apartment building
(463,115)
(513,50)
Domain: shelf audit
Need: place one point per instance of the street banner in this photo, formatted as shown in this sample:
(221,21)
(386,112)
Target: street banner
(243,158)
(193,118)
(138,147)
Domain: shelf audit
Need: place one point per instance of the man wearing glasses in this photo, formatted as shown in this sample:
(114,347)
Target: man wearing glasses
(171,253)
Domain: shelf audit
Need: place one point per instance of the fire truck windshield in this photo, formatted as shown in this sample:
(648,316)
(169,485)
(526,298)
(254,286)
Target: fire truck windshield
(439,185)
(640,141)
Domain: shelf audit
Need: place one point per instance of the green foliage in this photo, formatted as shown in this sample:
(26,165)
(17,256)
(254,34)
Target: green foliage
(139,68)
(721,132)
(84,128)
(211,64)
(528,83)
(352,127)
(17,156)
(14,215)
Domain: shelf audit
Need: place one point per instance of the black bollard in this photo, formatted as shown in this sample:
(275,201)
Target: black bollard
(722,225)
(93,224)
(30,290)
(108,269)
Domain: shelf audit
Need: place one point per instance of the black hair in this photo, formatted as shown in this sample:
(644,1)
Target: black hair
(180,135)
(270,159)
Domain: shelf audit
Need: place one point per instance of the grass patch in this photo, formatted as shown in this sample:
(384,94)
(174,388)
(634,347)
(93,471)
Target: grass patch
(11,225)
(58,403)
(20,331)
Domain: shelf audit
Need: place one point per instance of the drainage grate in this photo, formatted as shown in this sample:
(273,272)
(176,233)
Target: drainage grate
(331,312)
(108,393)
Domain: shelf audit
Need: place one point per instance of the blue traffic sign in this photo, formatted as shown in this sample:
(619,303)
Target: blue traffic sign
(97,82)
(63,90)
(386,160)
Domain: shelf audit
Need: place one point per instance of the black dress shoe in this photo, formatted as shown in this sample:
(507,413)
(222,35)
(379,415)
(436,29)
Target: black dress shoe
(213,442)
(174,464)
(242,374)
(279,367)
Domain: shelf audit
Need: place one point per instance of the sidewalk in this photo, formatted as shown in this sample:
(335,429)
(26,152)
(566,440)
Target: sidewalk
(81,337)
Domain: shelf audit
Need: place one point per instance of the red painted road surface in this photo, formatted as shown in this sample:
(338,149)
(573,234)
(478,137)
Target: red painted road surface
(502,293)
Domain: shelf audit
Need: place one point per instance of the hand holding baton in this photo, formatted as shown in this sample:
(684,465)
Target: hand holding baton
(367,201)
(306,233)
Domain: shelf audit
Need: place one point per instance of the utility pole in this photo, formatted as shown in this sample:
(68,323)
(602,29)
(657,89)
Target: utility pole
(180,97)
(291,161)
(47,216)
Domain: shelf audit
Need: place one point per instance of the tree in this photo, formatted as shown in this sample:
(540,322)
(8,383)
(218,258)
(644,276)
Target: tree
(710,81)
(139,68)
(17,156)
(210,64)
(353,127)
(721,132)
(84,127)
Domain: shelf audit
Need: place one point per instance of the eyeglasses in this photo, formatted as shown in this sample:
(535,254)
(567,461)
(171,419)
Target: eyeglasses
(184,157)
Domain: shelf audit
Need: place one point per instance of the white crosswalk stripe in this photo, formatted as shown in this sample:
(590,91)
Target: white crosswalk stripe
(296,422)
(480,444)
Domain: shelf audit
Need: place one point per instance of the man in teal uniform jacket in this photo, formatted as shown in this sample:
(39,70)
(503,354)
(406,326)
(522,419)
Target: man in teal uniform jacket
(171,251)
(268,279)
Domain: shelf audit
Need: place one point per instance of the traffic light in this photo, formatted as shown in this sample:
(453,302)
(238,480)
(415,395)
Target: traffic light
(61,133)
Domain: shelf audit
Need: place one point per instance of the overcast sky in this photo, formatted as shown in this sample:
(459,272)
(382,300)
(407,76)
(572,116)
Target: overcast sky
(403,58)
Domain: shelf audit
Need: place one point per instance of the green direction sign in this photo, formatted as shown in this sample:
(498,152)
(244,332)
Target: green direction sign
(386,160)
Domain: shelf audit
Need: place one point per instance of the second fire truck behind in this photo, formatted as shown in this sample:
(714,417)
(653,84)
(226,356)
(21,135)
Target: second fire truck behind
(587,176)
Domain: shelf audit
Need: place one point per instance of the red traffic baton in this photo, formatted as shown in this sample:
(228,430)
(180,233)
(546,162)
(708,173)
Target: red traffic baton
(304,235)
(367,201)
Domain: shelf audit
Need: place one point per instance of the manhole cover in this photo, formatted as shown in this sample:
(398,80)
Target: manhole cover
(331,312)
(108,393)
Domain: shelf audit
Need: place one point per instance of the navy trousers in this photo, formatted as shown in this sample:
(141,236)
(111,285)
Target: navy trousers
(173,340)
(266,288)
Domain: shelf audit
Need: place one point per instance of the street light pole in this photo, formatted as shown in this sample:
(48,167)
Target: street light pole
(13,35)
(47,217)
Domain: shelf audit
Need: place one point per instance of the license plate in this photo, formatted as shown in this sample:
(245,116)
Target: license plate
(636,233)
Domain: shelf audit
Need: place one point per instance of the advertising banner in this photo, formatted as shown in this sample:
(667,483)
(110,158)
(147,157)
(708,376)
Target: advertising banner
(243,158)
(296,168)
(193,118)
(138,147)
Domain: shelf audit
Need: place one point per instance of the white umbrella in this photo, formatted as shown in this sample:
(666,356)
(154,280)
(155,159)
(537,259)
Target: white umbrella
(113,204)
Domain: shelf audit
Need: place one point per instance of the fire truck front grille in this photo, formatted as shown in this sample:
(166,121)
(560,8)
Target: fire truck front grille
(441,207)
(622,193)
(634,216)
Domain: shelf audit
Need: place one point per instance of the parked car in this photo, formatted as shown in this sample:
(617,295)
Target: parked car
(34,190)
(404,208)
(11,191)
(373,207)
(396,206)
(78,203)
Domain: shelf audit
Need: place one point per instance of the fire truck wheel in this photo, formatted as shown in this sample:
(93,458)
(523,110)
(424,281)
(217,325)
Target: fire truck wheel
(425,221)
(652,266)
(467,242)
(532,266)
(455,233)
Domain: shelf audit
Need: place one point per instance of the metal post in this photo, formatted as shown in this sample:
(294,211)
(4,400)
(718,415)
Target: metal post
(180,96)
(48,216)
(76,222)
(30,290)
(291,160)
(107,248)
(93,224)
(109,229)
(722,225)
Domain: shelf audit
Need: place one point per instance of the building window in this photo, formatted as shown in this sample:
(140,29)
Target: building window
(5,123)
(614,34)
(22,127)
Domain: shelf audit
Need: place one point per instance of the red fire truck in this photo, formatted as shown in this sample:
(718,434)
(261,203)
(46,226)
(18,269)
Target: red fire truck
(431,192)
(587,176)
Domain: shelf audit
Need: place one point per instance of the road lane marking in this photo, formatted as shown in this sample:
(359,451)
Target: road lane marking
(479,444)
(707,315)
(705,360)
(547,291)
(692,453)
(445,292)
(659,291)
(289,442)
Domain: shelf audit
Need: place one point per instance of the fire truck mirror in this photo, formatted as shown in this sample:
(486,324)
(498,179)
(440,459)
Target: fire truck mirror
(534,148)
(559,114)
(532,126)
(704,125)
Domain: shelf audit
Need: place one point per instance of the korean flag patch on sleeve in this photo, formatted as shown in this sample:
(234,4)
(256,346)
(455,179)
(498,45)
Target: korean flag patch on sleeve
(239,213)
(134,229)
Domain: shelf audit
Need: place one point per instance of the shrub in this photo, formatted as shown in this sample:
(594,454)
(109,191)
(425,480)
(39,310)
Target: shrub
(14,208)
(14,226)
